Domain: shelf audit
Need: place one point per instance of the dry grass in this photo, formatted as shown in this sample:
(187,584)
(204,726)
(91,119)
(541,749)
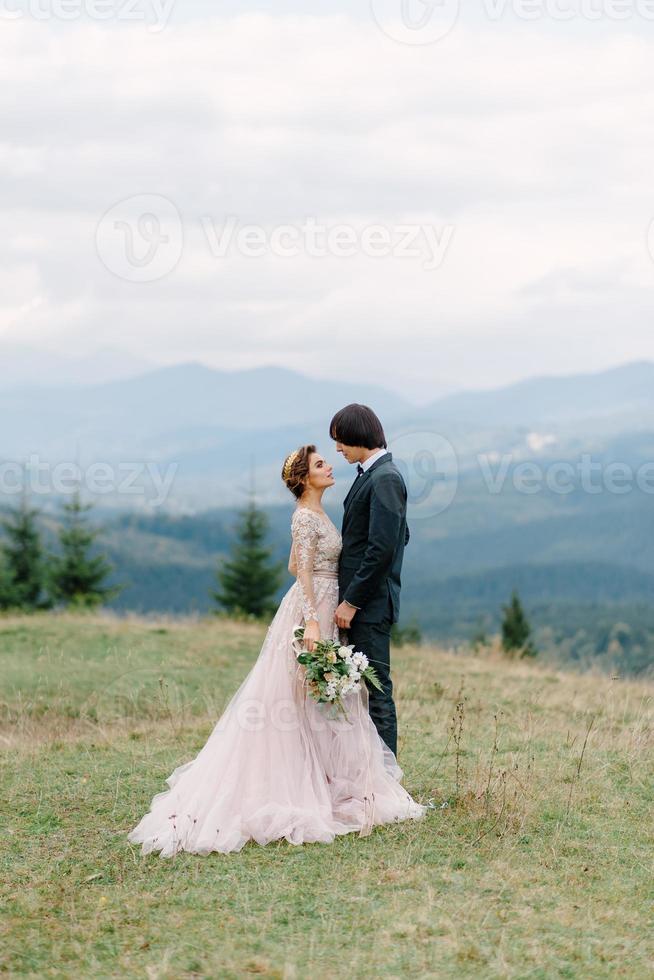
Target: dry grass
(536,860)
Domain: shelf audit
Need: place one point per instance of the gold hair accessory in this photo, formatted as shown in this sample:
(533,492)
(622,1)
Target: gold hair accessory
(288,465)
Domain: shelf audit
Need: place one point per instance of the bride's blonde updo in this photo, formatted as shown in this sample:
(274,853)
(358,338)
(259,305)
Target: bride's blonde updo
(296,469)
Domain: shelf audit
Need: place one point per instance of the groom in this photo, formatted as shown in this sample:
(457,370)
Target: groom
(374,535)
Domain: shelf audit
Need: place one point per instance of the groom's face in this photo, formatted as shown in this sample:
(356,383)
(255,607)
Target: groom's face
(353,454)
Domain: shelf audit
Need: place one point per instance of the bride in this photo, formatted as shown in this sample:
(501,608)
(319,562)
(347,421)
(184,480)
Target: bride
(278,765)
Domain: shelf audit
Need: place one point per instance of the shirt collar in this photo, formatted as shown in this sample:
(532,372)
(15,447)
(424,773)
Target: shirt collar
(373,459)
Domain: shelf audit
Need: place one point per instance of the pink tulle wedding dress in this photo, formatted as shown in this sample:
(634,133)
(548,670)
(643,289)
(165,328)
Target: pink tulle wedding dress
(278,765)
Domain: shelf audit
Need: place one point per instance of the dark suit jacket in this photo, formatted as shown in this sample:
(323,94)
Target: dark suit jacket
(374,534)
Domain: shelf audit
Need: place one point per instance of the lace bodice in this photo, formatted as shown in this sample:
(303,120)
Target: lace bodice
(315,549)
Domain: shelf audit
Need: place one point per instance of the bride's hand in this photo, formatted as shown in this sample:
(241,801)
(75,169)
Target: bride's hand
(311,634)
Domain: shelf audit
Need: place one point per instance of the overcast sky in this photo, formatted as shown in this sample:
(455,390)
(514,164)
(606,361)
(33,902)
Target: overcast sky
(459,213)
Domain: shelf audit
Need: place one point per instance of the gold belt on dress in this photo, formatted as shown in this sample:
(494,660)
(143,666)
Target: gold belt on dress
(325,573)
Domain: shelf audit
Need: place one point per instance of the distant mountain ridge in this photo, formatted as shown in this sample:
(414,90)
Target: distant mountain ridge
(627,388)
(194,394)
(22,366)
(214,426)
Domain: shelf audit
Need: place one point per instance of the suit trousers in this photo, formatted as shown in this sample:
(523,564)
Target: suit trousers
(374,639)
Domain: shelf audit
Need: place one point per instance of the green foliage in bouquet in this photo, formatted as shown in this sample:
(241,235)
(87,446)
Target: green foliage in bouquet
(333,670)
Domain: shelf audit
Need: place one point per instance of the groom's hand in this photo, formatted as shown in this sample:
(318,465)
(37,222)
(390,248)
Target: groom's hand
(344,615)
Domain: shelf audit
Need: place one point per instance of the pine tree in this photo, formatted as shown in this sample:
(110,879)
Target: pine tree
(516,630)
(248,580)
(23,574)
(76,577)
(6,585)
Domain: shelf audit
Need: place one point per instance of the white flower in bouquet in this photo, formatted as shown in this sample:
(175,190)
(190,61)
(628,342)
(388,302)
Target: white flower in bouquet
(333,670)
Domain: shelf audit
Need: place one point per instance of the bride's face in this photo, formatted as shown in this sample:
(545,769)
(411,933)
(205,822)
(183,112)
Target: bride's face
(320,473)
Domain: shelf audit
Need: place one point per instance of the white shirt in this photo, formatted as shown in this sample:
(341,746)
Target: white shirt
(373,459)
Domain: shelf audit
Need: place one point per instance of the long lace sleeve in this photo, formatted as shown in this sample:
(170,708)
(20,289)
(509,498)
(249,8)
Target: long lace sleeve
(305,538)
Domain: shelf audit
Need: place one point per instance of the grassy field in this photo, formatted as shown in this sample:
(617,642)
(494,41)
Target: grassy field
(536,860)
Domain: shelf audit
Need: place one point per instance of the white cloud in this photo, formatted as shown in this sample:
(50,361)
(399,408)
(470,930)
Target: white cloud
(535,145)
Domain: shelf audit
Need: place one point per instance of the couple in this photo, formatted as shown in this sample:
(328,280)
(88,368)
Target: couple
(278,765)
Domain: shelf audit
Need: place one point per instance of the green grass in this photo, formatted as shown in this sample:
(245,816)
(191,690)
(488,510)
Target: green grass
(537,868)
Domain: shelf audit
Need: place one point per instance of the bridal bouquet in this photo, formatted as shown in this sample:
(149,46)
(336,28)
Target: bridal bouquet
(333,671)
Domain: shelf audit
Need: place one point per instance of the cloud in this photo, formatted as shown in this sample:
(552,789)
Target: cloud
(535,146)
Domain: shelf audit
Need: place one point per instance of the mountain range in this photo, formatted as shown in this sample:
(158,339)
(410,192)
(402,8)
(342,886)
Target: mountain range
(582,558)
(212,428)
(23,366)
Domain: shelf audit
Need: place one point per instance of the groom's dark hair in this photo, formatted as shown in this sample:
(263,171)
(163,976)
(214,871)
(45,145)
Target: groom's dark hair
(357,425)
